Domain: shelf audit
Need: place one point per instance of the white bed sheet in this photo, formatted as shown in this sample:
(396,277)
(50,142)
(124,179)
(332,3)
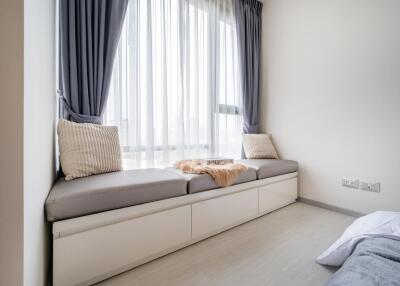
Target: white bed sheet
(377,224)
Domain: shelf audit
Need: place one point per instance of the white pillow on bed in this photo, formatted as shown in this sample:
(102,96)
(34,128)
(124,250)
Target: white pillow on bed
(377,224)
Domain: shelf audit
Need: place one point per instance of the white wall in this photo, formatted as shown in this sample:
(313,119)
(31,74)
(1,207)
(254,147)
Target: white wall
(27,123)
(11,148)
(39,125)
(331,95)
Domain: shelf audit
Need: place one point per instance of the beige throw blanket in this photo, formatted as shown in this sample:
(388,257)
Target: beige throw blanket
(224,175)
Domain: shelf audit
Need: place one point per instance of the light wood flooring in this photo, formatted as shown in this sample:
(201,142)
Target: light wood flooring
(277,249)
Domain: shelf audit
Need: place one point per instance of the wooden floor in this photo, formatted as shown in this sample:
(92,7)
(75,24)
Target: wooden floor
(276,249)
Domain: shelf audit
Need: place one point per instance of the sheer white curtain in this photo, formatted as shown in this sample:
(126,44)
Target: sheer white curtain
(174,91)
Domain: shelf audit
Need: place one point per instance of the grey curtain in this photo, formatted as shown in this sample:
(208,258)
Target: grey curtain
(89,35)
(248,24)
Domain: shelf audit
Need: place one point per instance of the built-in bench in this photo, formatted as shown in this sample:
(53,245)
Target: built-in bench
(106,224)
(99,193)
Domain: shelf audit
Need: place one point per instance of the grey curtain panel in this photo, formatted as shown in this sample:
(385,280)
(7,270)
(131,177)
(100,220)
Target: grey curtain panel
(89,35)
(248,25)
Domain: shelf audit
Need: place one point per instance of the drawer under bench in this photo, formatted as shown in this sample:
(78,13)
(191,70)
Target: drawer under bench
(93,252)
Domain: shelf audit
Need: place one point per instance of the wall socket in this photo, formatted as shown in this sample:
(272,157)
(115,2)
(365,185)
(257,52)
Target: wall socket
(357,184)
(351,183)
(371,187)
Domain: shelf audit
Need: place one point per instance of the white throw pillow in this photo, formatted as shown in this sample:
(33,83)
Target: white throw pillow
(259,146)
(87,149)
(377,224)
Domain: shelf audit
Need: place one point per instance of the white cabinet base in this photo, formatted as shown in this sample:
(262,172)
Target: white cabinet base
(210,216)
(88,254)
(277,195)
(92,248)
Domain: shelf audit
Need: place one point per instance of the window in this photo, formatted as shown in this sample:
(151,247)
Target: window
(174,92)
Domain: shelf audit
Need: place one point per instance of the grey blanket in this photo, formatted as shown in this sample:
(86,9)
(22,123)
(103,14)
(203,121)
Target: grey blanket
(375,261)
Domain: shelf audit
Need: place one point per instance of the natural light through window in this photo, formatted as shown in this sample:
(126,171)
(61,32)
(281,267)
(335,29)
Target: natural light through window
(174,91)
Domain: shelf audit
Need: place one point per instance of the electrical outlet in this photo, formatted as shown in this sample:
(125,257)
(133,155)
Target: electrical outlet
(371,187)
(351,183)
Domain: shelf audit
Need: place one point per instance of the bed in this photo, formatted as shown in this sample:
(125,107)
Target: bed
(368,252)
(375,261)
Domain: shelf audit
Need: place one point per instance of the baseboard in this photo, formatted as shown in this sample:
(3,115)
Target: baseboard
(330,207)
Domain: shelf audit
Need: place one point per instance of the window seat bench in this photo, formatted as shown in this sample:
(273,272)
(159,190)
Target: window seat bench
(106,224)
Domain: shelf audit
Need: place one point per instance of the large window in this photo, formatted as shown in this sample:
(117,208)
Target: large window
(174,91)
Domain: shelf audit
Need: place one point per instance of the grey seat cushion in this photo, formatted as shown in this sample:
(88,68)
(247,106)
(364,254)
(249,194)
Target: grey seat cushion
(267,168)
(204,182)
(79,197)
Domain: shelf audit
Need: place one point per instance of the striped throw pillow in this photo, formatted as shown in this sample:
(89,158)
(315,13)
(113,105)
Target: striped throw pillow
(87,149)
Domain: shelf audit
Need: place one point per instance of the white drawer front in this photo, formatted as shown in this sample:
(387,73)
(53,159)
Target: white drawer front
(215,214)
(83,256)
(277,195)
